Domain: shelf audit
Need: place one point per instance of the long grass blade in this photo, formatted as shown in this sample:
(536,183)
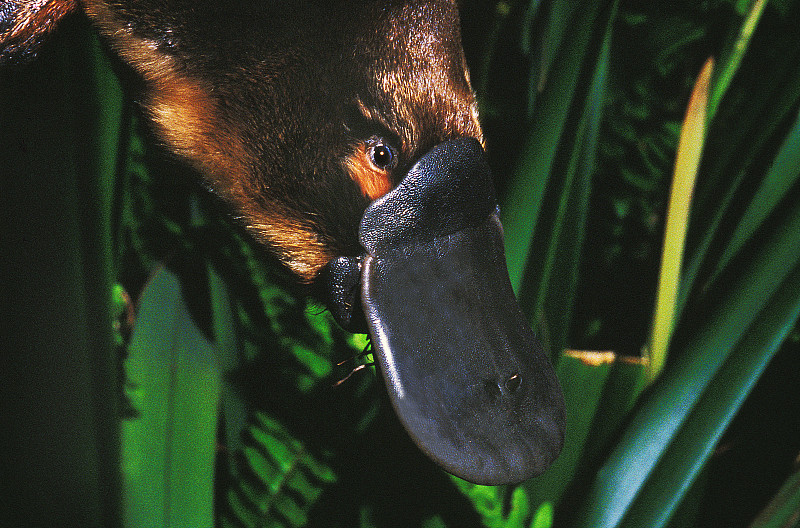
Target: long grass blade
(712,210)
(522,203)
(779,180)
(552,280)
(762,107)
(784,509)
(690,148)
(731,62)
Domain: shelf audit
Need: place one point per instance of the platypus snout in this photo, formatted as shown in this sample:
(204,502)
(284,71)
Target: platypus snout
(465,373)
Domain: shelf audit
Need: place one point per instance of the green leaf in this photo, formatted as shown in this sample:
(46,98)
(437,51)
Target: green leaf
(560,16)
(779,180)
(59,130)
(168,451)
(749,127)
(490,503)
(500,14)
(521,204)
(549,283)
(733,56)
(243,513)
(583,377)
(281,480)
(543,518)
(263,467)
(681,462)
(434,522)
(624,383)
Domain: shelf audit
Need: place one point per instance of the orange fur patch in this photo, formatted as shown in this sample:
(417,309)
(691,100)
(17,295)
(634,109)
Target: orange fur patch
(296,244)
(373,182)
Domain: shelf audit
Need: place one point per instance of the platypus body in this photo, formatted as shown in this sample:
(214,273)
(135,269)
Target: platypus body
(345,136)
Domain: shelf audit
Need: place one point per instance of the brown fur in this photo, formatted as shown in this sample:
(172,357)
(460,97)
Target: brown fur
(273,101)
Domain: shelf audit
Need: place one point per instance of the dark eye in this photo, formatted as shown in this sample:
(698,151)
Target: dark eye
(381,155)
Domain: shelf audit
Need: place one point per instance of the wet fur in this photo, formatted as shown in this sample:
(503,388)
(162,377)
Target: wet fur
(274,101)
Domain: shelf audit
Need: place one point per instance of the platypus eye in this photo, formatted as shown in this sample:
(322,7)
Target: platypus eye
(381,155)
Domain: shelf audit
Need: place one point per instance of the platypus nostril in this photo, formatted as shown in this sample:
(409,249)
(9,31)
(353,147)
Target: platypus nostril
(513,383)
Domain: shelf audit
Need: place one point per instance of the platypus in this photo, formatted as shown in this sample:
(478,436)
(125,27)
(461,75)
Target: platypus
(345,136)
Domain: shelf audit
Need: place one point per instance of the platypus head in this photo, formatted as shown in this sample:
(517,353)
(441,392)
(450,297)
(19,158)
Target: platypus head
(345,136)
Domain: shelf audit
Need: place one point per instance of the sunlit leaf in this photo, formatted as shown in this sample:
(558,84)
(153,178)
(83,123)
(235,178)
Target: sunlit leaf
(690,148)
(168,450)
(490,503)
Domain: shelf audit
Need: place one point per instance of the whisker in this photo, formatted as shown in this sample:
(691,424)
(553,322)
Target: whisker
(367,349)
(359,367)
